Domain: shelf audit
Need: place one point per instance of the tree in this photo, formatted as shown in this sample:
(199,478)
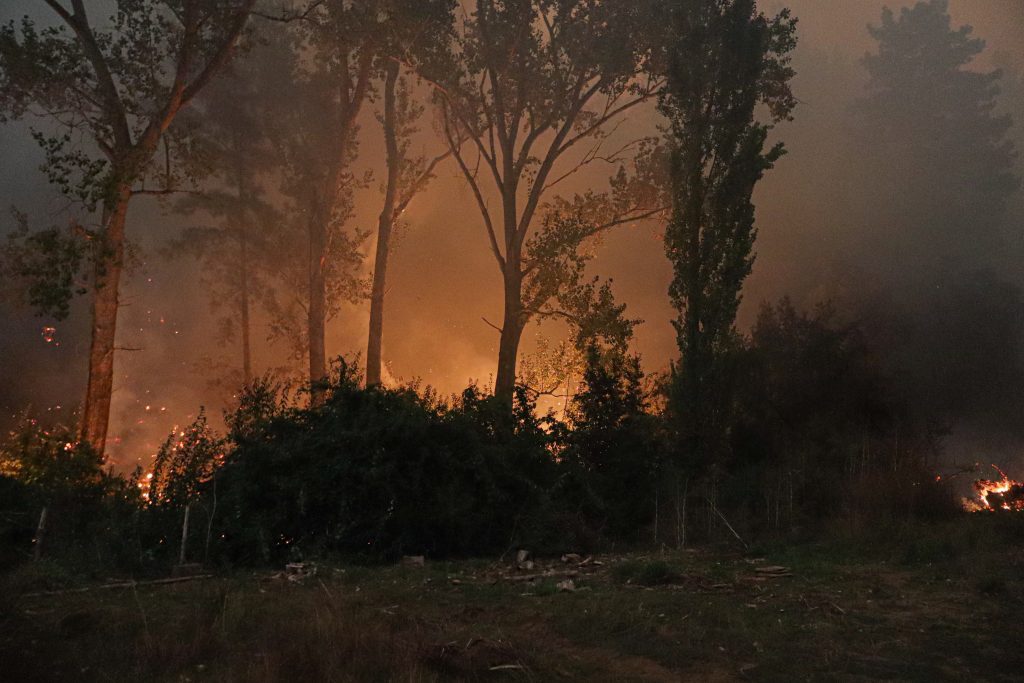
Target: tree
(233,252)
(413,27)
(43,268)
(939,156)
(113,94)
(614,440)
(315,91)
(534,79)
(726,60)
(186,462)
(330,74)
(940,162)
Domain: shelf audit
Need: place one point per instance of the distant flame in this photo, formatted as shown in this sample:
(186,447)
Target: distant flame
(1000,494)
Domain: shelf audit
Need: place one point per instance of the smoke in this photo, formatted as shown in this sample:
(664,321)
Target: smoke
(825,232)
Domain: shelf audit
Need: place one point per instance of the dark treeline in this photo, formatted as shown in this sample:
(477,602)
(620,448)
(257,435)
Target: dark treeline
(253,121)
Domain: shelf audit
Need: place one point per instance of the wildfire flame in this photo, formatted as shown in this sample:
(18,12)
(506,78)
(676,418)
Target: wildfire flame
(999,494)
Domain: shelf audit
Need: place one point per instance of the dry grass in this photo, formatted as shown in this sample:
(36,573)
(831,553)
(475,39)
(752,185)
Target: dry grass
(921,610)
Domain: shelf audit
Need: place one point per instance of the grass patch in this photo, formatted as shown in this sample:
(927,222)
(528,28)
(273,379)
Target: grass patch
(840,615)
(645,573)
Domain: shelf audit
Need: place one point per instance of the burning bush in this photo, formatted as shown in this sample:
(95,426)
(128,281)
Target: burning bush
(997,495)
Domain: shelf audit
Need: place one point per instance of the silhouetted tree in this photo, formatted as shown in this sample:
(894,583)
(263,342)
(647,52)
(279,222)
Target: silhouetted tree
(615,441)
(318,89)
(413,28)
(329,80)
(533,80)
(725,61)
(941,167)
(941,161)
(112,94)
(233,252)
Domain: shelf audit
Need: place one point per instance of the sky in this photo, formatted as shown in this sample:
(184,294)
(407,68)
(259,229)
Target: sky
(443,282)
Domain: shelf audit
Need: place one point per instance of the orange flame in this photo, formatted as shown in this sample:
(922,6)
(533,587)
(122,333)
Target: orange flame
(1000,494)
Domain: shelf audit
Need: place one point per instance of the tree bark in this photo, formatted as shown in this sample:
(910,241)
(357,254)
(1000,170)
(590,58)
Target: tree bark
(511,331)
(37,546)
(317,312)
(243,270)
(244,308)
(385,225)
(184,535)
(108,268)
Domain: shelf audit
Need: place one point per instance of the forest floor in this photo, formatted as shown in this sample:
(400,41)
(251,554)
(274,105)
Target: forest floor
(939,606)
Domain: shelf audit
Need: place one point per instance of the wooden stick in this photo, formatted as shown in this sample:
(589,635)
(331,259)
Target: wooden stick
(122,584)
(184,534)
(729,526)
(37,549)
(544,575)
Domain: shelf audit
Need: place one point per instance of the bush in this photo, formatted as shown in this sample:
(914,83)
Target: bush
(88,509)
(613,452)
(379,473)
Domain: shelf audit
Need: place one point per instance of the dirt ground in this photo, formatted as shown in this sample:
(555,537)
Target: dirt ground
(808,612)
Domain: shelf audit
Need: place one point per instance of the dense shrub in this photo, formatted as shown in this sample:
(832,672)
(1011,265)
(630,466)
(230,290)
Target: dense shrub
(821,431)
(816,433)
(614,451)
(380,472)
(87,508)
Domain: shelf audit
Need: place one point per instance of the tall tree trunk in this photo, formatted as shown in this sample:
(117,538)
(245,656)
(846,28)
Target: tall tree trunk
(241,215)
(108,269)
(244,306)
(385,224)
(511,331)
(184,535)
(317,312)
(325,205)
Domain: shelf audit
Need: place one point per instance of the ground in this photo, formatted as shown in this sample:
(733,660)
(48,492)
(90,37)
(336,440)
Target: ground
(930,608)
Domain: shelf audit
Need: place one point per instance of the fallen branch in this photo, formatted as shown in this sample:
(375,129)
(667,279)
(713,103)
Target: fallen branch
(542,575)
(122,584)
(729,526)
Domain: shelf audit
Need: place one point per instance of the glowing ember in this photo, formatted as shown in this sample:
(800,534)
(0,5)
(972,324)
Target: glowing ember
(1000,494)
(49,334)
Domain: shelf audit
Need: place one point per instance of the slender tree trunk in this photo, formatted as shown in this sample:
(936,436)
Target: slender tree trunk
(354,94)
(184,535)
(385,225)
(108,269)
(323,214)
(511,332)
(37,545)
(317,312)
(242,228)
(247,359)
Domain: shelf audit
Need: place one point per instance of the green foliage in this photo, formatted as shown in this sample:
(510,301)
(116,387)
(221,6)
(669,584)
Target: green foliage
(724,61)
(51,462)
(104,84)
(645,573)
(45,268)
(615,448)
(381,473)
(89,509)
(185,462)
